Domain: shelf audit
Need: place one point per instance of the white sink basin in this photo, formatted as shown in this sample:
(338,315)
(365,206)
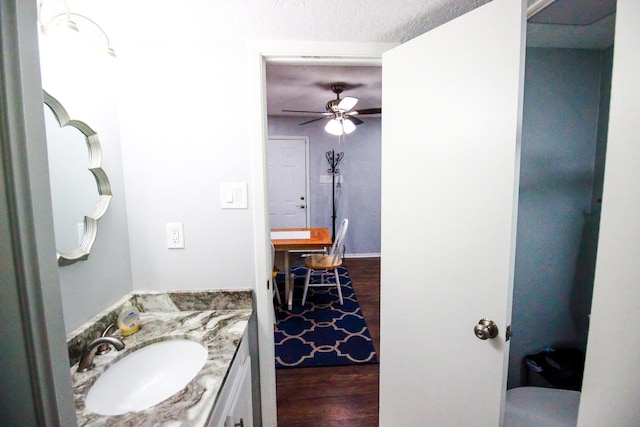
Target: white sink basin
(146,377)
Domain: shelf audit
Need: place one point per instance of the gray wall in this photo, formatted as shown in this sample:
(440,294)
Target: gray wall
(558,210)
(359,195)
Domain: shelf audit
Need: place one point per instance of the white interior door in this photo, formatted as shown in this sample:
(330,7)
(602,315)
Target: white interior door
(450,149)
(287,163)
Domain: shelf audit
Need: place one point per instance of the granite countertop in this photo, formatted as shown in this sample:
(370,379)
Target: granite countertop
(215,318)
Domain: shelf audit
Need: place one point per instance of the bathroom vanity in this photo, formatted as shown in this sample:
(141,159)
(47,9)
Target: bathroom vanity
(218,395)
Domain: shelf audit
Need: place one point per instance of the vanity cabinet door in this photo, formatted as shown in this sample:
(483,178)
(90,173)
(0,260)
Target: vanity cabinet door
(234,405)
(241,412)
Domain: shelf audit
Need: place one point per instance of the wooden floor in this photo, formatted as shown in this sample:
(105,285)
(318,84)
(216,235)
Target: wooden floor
(342,395)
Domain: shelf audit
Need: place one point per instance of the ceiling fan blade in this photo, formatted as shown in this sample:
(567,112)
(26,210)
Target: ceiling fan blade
(304,111)
(370,111)
(347,103)
(356,121)
(311,121)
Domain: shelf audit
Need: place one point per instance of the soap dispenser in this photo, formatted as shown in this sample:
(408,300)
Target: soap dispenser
(129,319)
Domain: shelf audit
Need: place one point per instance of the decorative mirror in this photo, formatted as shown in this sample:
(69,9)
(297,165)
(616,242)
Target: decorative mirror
(80,194)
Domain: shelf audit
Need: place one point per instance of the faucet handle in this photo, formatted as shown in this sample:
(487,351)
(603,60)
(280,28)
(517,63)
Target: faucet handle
(86,360)
(105,348)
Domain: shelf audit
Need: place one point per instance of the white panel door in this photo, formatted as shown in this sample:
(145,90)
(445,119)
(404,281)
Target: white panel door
(288,201)
(450,150)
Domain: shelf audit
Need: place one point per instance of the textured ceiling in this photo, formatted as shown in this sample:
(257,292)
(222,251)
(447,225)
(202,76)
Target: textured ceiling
(307,88)
(327,20)
(289,87)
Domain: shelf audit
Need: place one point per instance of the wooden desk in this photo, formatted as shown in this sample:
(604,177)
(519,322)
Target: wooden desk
(319,238)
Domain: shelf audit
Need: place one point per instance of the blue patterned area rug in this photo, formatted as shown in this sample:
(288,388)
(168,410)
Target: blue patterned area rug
(323,332)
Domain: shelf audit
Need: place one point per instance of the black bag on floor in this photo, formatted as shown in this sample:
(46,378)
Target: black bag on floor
(562,368)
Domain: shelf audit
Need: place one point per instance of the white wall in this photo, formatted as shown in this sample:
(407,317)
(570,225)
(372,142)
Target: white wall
(183,132)
(359,195)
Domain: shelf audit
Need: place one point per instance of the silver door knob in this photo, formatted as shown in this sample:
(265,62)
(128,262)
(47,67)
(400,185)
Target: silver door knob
(486,329)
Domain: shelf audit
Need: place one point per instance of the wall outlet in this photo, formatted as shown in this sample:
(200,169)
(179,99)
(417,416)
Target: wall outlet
(175,235)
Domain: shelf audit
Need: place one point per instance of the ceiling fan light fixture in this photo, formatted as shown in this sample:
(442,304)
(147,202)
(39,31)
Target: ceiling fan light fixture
(334,127)
(340,113)
(348,126)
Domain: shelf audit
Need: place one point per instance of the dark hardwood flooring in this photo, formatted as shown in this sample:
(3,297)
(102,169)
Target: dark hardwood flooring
(339,396)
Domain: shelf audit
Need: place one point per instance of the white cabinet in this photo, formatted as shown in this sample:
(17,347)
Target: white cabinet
(241,413)
(234,408)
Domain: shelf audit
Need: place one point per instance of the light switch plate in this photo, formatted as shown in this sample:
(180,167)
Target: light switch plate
(233,195)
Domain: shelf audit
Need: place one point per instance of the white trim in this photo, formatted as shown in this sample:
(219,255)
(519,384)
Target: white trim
(536,6)
(325,53)
(307,186)
(367,255)
(287,52)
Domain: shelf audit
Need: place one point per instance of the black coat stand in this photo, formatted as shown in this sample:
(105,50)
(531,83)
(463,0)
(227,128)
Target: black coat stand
(334,159)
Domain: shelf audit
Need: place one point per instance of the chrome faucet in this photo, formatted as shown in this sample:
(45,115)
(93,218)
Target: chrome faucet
(104,348)
(86,360)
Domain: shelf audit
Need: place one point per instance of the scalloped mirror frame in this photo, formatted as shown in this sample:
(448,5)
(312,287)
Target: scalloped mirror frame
(103,186)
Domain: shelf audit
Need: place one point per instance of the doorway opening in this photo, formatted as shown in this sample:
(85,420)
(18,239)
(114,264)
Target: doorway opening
(354,191)
(566,108)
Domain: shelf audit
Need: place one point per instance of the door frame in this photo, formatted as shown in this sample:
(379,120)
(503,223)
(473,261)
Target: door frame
(32,318)
(288,52)
(307,184)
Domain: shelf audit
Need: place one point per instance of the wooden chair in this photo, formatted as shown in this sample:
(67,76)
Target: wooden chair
(327,264)
(274,273)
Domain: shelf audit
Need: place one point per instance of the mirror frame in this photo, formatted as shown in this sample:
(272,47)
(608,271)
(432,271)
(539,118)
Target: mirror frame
(103,186)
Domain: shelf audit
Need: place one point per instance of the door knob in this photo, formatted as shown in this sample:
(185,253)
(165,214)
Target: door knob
(300,206)
(486,329)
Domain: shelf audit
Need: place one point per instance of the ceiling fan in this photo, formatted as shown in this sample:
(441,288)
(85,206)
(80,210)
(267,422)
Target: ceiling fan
(340,112)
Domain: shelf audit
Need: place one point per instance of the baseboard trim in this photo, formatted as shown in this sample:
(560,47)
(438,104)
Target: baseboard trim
(369,255)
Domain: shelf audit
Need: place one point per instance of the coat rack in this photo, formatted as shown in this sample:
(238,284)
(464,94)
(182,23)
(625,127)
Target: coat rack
(334,159)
